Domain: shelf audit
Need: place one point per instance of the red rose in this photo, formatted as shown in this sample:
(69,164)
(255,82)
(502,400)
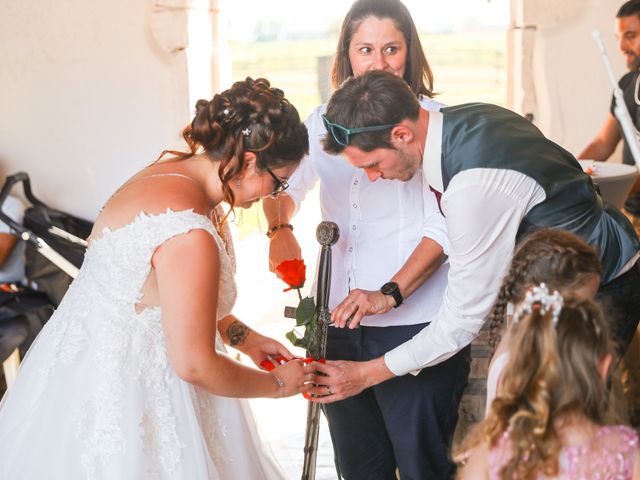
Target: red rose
(293,273)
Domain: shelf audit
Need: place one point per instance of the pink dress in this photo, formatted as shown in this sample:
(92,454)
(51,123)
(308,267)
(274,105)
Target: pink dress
(608,456)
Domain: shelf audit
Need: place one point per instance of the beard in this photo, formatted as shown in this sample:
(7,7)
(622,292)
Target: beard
(634,63)
(410,166)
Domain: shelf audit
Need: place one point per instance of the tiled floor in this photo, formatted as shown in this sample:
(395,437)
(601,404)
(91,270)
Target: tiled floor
(282,425)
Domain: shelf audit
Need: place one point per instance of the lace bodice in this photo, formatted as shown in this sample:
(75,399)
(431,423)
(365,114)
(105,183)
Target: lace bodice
(607,456)
(96,326)
(97,397)
(118,263)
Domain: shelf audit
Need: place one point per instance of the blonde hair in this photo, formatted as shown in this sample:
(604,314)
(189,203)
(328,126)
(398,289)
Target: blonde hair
(552,377)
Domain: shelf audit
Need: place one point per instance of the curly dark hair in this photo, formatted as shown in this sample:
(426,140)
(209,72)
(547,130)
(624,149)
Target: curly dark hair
(251,116)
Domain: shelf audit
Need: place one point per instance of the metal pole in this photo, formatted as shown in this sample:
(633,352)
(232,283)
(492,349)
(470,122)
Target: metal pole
(327,234)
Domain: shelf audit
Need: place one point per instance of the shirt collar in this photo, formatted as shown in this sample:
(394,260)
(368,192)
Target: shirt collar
(432,159)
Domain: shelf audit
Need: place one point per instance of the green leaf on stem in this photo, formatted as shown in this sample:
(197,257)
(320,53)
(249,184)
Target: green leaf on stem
(293,338)
(306,312)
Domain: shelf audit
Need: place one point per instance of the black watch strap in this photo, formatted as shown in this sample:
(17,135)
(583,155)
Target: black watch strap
(391,288)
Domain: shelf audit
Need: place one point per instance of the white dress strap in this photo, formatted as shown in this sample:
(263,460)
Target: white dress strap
(136,180)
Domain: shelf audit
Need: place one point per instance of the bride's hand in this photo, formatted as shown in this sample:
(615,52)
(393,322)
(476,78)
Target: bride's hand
(237,335)
(258,348)
(295,377)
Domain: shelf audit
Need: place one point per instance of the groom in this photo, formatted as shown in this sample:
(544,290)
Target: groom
(499,179)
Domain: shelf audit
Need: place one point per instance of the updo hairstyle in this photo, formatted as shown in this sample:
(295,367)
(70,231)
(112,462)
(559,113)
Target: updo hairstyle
(251,116)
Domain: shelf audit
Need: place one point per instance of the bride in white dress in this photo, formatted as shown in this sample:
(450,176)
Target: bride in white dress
(129,379)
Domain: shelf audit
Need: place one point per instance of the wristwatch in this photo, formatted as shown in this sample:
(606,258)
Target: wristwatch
(391,288)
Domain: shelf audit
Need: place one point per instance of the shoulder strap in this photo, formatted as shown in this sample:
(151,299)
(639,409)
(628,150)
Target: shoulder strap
(136,180)
(162,227)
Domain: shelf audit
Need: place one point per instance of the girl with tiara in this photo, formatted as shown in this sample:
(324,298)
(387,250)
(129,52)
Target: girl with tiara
(548,419)
(561,260)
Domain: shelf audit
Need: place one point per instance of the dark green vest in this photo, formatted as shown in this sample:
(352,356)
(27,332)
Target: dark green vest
(477,135)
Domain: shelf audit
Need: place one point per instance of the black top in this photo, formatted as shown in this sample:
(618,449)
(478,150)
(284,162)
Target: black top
(628,85)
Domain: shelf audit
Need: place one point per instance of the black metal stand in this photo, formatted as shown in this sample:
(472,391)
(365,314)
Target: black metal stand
(327,234)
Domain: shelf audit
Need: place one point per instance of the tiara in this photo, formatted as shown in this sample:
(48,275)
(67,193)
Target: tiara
(539,298)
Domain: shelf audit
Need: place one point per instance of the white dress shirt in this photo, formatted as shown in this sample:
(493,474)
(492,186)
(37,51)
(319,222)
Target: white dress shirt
(380,225)
(483,208)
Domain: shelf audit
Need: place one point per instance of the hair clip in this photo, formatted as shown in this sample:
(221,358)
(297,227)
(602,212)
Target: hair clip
(226,112)
(539,298)
(246,132)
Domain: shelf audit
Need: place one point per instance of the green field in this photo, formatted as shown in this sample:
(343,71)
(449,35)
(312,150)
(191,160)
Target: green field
(466,66)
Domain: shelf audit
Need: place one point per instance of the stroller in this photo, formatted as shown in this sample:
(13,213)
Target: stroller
(54,252)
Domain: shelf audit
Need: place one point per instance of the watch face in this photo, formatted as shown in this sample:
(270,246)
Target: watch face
(389,287)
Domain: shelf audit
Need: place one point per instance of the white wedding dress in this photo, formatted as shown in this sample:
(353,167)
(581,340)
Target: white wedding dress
(96,397)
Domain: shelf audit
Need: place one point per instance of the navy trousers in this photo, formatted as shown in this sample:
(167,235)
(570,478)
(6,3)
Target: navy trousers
(406,422)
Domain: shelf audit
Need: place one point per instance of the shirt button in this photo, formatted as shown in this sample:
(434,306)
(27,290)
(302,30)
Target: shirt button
(351,249)
(355,182)
(353,227)
(355,205)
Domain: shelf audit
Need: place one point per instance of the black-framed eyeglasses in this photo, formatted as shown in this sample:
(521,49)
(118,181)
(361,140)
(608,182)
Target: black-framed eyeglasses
(341,134)
(281,184)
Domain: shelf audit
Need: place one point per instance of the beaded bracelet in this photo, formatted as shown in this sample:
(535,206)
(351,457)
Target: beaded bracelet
(280,385)
(275,228)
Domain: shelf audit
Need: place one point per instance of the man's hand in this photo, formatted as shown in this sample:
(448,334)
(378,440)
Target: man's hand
(283,246)
(340,379)
(358,304)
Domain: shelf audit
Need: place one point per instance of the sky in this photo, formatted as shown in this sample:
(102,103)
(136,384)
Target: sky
(312,16)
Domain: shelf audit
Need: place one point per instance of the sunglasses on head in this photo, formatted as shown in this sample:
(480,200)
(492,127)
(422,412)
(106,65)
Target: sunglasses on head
(341,134)
(280,184)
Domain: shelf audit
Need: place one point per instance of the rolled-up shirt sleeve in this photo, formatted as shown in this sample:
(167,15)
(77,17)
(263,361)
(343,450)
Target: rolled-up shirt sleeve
(483,210)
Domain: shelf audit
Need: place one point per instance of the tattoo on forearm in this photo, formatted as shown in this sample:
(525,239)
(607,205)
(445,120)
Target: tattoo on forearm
(237,333)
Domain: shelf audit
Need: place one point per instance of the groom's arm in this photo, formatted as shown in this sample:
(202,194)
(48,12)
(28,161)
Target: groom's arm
(482,223)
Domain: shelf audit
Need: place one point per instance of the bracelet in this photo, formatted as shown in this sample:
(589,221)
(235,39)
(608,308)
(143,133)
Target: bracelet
(280,384)
(275,228)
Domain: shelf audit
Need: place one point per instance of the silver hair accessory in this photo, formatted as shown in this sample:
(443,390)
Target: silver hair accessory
(226,111)
(246,132)
(540,296)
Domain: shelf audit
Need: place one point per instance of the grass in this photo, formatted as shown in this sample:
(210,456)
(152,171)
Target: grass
(467,67)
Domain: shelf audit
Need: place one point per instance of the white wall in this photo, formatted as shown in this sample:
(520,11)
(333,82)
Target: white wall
(564,81)
(89,93)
